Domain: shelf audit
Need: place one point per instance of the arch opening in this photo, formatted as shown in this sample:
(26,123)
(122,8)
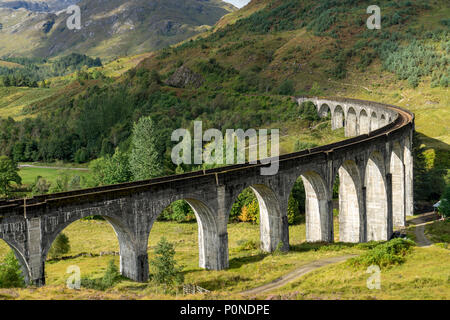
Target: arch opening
(338,118)
(364,122)
(325,111)
(351,226)
(317,208)
(179,220)
(351,123)
(374,123)
(260,205)
(398,187)
(93,242)
(376,199)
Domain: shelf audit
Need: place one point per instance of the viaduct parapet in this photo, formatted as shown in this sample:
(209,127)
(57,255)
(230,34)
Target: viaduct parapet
(374,166)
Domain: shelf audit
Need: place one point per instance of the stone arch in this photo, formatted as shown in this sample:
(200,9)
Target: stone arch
(374,123)
(272,221)
(317,207)
(207,235)
(364,122)
(376,199)
(397,170)
(26,272)
(383,121)
(351,123)
(130,257)
(209,255)
(338,117)
(324,111)
(351,217)
(408,165)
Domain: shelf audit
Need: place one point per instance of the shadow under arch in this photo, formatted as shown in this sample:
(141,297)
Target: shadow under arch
(351,213)
(338,117)
(376,199)
(383,121)
(324,111)
(374,123)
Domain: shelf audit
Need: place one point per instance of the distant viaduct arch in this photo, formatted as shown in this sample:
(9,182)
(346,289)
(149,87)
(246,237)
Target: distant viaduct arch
(374,166)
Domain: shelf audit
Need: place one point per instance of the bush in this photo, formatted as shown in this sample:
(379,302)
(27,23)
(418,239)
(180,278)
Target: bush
(109,279)
(308,111)
(59,247)
(10,272)
(385,254)
(165,267)
(293,211)
(250,212)
(179,211)
(247,245)
(444,207)
(286,88)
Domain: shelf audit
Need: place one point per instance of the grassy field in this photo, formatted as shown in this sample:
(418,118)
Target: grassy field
(438,231)
(422,276)
(29,174)
(248,268)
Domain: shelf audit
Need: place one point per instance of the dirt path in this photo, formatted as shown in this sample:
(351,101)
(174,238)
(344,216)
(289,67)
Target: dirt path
(294,275)
(419,231)
(422,241)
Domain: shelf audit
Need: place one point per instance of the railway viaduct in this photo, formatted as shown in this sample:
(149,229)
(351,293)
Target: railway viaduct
(374,166)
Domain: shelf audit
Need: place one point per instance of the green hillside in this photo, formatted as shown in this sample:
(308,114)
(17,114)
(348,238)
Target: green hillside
(241,73)
(247,67)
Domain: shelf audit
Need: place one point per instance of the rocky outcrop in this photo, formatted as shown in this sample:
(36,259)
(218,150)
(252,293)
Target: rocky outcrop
(184,77)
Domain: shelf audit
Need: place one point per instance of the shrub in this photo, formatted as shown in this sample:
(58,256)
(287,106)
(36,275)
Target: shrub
(10,272)
(179,211)
(248,245)
(308,111)
(250,212)
(109,279)
(444,207)
(165,267)
(293,211)
(59,247)
(385,254)
(286,88)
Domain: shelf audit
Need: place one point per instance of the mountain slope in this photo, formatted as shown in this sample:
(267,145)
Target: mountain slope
(244,72)
(109,28)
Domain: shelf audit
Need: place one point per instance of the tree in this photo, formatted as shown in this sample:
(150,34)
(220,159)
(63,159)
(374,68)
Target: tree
(146,159)
(111,170)
(444,207)
(293,210)
(59,247)
(166,270)
(8,173)
(10,272)
(40,186)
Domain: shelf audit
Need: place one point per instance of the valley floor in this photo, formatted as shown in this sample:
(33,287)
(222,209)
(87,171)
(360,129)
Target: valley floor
(422,276)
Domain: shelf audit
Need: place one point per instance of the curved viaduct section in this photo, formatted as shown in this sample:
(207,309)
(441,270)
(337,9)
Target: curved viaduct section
(374,167)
